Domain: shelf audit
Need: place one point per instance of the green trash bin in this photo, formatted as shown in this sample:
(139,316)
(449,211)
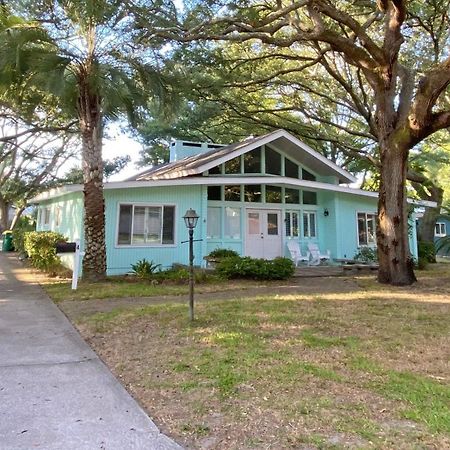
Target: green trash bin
(7,241)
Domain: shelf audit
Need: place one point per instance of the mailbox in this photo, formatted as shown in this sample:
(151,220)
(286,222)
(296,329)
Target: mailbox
(66,247)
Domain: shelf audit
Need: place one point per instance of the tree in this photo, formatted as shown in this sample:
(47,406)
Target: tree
(389,61)
(30,156)
(82,54)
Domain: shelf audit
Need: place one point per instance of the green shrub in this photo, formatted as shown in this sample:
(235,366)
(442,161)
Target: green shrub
(256,269)
(144,268)
(422,263)
(427,250)
(223,253)
(40,246)
(24,225)
(366,255)
(180,274)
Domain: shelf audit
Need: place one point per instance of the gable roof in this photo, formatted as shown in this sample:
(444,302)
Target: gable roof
(293,147)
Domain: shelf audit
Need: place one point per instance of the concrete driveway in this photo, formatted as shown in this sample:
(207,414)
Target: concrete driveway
(55,393)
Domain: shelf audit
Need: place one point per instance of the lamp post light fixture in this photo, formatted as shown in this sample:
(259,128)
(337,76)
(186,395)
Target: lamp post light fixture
(191,219)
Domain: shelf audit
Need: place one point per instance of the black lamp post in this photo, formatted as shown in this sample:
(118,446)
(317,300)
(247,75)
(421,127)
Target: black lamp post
(191,219)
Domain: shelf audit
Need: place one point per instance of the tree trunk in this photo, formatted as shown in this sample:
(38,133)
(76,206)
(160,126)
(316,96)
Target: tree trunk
(16,217)
(4,208)
(428,221)
(90,117)
(395,260)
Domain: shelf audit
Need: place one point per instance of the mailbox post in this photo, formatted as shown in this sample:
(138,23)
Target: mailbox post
(72,247)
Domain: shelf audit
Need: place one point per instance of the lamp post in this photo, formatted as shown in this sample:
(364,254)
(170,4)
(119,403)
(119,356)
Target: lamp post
(191,219)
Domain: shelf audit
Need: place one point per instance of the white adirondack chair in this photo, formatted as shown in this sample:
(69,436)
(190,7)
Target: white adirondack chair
(316,255)
(296,253)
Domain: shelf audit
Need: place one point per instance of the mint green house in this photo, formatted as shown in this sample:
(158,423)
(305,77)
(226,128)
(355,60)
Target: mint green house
(253,197)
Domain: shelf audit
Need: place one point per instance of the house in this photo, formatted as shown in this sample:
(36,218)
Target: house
(253,197)
(442,230)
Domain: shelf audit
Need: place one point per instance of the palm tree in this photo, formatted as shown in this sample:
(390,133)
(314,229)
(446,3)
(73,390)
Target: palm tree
(81,53)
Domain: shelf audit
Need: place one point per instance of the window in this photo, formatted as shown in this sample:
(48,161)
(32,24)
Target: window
(440,229)
(58,216)
(214,193)
(292,196)
(366,229)
(272,224)
(252,161)
(232,193)
(273,194)
(214,229)
(309,198)
(309,224)
(291,221)
(273,162)
(290,168)
(45,216)
(232,223)
(252,193)
(146,225)
(308,175)
(233,166)
(216,170)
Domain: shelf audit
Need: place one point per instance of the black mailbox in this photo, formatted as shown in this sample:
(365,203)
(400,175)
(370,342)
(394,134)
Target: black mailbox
(66,247)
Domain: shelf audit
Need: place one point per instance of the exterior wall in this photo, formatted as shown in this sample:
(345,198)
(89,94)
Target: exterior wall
(71,223)
(120,258)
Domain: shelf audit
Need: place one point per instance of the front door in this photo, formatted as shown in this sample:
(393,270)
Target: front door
(263,237)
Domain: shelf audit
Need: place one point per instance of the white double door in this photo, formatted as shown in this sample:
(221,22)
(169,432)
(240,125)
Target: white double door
(263,235)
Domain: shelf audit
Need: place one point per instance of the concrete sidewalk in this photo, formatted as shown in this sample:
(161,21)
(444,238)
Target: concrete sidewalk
(55,393)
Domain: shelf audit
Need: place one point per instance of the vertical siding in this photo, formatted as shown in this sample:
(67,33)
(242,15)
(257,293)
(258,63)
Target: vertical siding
(120,258)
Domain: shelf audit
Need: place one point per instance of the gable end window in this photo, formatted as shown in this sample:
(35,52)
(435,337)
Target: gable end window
(366,229)
(440,229)
(146,225)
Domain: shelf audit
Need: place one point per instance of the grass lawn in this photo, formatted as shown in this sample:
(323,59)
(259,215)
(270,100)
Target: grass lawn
(318,363)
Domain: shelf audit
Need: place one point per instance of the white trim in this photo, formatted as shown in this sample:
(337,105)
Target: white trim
(150,245)
(221,180)
(316,228)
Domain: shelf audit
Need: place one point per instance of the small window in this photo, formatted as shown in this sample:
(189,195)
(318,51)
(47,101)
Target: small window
(291,221)
(440,229)
(58,216)
(232,223)
(252,193)
(46,216)
(252,161)
(214,228)
(290,168)
(308,175)
(273,162)
(273,194)
(232,193)
(366,229)
(309,224)
(214,193)
(292,196)
(233,166)
(216,170)
(309,198)
(146,225)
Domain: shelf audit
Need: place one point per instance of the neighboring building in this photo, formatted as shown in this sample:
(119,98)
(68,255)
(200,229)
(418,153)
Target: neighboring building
(251,197)
(442,230)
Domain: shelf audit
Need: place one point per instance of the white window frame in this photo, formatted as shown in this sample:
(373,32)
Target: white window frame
(45,217)
(309,234)
(226,236)
(440,229)
(288,216)
(150,244)
(366,214)
(219,210)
